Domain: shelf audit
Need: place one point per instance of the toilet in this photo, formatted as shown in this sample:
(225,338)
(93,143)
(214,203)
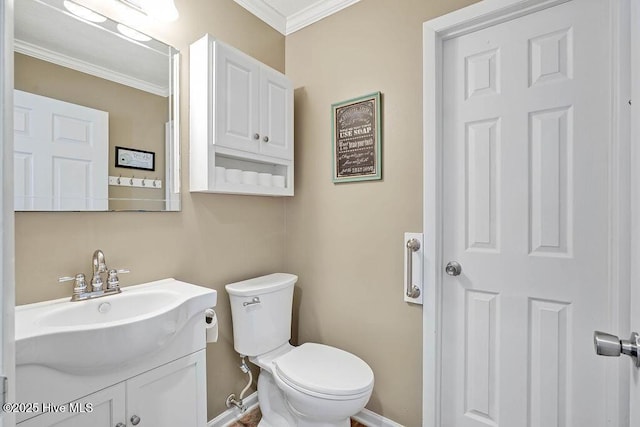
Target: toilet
(312,385)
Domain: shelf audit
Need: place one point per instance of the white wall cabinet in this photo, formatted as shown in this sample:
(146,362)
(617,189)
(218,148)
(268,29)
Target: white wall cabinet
(171,395)
(241,117)
(276,114)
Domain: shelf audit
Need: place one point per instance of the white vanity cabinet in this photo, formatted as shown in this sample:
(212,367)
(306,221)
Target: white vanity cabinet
(170,395)
(241,117)
(107,409)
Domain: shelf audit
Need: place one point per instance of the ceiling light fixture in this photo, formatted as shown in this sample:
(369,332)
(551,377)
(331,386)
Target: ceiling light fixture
(132,34)
(162,10)
(83,12)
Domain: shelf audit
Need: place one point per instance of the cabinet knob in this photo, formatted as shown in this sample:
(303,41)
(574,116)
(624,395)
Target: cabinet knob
(135,420)
(121,425)
(256,136)
(265,139)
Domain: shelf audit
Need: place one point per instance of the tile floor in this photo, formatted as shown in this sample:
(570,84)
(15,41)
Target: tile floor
(251,419)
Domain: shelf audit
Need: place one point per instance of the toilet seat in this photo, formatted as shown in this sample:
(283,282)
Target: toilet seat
(323,371)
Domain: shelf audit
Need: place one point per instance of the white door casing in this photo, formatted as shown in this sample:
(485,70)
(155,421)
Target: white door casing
(61,151)
(527,259)
(7,240)
(634,295)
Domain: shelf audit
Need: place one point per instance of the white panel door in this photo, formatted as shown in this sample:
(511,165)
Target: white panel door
(276,114)
(526,107)
(237,123)
(61,154)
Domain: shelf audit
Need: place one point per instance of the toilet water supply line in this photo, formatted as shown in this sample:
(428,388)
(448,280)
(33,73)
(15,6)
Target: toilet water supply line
(231,399)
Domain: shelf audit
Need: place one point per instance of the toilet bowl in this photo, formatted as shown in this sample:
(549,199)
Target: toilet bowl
(312,385)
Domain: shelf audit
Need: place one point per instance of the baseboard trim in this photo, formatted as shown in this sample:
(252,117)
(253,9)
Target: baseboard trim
(371,419)
(232,415)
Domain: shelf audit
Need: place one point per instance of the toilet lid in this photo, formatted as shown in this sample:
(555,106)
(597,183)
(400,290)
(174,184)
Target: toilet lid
(324,369)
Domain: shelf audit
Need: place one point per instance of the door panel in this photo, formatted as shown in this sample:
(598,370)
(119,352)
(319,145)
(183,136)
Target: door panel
(60,155)
(102,409)
(276,114)
(526,110)
(171,395)
(237,110)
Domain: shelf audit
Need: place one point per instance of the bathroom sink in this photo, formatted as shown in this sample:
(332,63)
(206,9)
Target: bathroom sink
(133,306)
(97,335)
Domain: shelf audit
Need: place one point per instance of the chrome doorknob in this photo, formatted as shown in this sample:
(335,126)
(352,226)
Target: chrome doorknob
(453,268)
(610,345)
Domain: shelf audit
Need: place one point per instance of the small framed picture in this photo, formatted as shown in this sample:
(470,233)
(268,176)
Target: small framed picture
(135,159)
(356,139)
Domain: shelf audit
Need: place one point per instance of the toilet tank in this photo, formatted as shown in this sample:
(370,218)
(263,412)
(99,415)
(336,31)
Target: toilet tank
(261,312)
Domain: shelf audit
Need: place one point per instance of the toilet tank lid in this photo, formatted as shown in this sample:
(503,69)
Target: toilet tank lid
(262,285)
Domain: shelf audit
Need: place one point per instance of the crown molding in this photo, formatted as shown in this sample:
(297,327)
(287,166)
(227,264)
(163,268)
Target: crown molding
(266,13)
(292,23)
(315,12)
(88,68)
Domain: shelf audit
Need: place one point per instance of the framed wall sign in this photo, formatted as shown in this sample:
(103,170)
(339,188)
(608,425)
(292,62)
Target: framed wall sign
(135,159)
(356,139)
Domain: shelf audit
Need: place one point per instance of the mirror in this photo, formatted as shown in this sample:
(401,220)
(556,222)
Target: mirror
(95,108)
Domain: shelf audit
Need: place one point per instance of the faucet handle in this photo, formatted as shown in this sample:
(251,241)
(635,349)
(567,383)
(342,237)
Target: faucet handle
(113,281)
(79,285)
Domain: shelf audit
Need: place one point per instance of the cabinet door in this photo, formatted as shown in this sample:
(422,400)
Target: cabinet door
(237,124)
(172,395)
(276,114)
(102,409)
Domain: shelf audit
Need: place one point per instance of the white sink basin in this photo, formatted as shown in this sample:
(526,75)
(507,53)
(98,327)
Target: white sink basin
(133,306)
(92,336)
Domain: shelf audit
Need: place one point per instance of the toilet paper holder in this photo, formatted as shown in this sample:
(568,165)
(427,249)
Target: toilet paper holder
(210,316)
(211,325)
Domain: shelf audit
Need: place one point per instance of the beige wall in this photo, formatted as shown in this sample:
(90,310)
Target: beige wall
(216,239)
(346,241)
(136,120)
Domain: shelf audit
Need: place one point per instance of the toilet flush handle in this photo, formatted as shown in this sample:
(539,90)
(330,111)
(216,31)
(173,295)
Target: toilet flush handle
(255,300)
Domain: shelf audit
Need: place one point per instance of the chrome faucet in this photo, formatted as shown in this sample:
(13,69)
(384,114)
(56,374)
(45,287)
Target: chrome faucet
(80,292)
(99,267)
